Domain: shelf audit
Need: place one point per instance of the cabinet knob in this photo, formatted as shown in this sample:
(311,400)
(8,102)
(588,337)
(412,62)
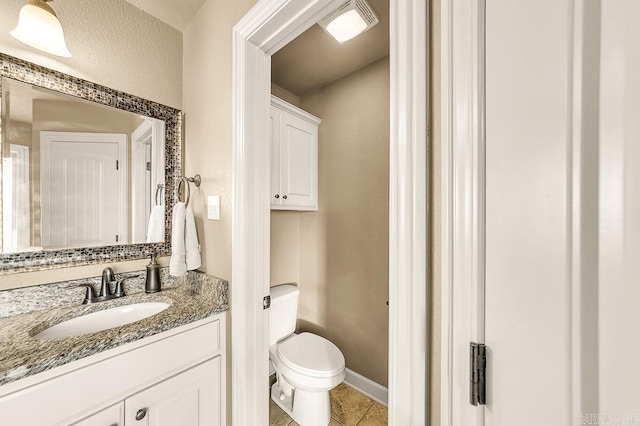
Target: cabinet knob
(277,195)
(141,413)
(284,197)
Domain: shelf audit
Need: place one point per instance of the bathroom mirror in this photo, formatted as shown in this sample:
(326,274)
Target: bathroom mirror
(82,168)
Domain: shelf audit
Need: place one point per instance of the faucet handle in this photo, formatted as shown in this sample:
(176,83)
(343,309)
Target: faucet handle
(90,295)
(119,291)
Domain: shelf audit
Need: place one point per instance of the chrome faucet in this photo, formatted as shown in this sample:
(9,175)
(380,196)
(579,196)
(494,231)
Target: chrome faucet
(105,289)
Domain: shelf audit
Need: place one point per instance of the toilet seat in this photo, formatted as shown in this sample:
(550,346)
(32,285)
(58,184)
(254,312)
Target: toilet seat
(311,355)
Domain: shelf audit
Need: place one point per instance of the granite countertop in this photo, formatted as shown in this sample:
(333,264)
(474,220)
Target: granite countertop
(193,298)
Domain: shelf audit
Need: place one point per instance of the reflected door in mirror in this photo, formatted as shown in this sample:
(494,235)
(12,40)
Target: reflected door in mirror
(83,185)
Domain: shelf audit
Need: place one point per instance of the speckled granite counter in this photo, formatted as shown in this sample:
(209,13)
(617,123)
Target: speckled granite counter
(191,298)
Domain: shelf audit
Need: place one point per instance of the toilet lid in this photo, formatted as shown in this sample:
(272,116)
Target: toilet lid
(311,355)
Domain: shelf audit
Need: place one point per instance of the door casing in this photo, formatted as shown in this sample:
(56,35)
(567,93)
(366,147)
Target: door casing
(269,26)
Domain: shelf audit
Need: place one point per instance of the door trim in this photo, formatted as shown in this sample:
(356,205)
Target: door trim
(270,25)
(462,165)
(149,129)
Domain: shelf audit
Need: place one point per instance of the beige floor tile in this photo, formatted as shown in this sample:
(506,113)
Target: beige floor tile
(348,406)
(376,416)
(277,417)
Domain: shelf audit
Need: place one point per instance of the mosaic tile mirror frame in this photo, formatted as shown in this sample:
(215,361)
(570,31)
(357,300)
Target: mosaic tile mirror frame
(26,72)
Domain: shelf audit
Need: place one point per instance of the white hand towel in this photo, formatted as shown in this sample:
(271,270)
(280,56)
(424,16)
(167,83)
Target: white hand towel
(155,232)
(191,241)
(177,263)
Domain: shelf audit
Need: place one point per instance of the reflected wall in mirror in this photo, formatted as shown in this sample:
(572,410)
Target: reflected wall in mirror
(83,171)
(76,173)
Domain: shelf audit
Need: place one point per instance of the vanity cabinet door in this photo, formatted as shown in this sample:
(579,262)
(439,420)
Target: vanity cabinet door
(191,398)
(112,416)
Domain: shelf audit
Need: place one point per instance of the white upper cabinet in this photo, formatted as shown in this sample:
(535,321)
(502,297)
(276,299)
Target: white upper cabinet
(294,157)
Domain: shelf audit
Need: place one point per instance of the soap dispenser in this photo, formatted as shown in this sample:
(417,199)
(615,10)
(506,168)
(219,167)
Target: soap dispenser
(152,285)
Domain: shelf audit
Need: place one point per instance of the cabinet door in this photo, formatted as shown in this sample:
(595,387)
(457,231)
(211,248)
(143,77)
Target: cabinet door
(192,398)
(112,416)
(276,198)
(298,163)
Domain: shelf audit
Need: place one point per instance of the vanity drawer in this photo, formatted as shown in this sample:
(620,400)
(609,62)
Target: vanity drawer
(63,398)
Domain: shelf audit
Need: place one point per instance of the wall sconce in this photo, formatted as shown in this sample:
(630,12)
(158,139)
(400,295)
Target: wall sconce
(349,20)
(38,27)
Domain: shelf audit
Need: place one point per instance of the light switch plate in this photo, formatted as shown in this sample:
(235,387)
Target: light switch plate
(213,207)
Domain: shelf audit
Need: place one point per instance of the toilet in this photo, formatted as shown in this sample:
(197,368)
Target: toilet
(307,366)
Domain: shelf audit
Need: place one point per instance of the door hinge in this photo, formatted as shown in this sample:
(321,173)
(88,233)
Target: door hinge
(117,165)
(117,237)
(478,374)
(266,302)
(148,166)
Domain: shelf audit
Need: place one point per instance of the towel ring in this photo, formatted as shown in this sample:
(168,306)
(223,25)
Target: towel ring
(184,181)
(159,193)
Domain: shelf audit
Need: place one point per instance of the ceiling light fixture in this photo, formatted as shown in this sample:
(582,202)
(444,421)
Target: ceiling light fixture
(349,20)
(38,27)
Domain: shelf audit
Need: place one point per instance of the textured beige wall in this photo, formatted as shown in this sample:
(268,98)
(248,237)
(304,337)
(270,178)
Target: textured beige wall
(208,123)
(113,43)
(285,95)
(343,258)
(118,46)
(208,133)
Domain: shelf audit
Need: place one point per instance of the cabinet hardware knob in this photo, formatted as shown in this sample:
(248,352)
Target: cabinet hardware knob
(277,195)
(284,197)
(141,413)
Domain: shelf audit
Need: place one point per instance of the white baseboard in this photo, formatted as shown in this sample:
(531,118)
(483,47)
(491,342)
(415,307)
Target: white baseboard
(367,387)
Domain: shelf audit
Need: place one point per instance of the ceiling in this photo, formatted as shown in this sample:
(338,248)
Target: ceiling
(315,59)
(177,13)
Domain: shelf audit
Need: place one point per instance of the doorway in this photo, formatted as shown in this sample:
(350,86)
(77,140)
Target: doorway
(262,32)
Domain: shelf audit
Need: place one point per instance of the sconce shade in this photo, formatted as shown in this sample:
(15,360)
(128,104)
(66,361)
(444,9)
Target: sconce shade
(38,27)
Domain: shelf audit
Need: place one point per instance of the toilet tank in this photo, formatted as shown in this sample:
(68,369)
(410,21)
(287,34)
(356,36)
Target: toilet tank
(283,312)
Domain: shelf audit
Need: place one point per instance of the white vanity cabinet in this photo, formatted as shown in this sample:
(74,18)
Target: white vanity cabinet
(111,416)
(294,157)
(173,378)
(191,398)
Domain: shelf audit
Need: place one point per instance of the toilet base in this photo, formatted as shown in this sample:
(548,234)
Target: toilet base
(305,407)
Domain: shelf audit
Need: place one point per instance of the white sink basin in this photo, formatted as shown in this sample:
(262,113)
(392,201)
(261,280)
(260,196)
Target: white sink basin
(102,320)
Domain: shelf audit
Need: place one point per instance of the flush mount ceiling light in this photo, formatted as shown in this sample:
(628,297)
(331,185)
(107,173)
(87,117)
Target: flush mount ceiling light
(349,20)
(38,27)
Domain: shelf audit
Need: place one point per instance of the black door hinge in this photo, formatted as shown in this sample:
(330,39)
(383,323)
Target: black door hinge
(478,374)
(117,165)
(266,302)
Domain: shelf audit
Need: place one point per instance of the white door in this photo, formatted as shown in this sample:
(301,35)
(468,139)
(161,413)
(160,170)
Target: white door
(83,184)
(528,257)
(558,304)
(192,398)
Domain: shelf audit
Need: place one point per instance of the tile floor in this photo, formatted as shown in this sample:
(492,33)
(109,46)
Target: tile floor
(348,408)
